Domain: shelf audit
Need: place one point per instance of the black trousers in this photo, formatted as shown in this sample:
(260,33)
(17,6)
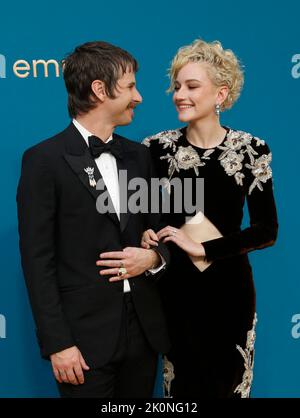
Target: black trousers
(131,371)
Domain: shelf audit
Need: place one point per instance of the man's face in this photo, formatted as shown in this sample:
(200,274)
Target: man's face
(121,109)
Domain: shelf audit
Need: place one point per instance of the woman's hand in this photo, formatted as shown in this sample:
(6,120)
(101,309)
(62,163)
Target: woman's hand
(149,238)
(180,238)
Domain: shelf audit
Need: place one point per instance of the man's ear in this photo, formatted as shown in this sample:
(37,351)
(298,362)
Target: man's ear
(98,88)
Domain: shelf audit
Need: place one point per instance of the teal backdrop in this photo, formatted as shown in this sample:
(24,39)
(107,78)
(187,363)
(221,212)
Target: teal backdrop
(266,37)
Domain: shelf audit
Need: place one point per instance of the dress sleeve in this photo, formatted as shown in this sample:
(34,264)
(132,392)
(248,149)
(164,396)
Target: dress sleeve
(263,228)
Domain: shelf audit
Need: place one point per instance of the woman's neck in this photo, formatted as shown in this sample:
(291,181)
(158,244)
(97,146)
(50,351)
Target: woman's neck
(205,134)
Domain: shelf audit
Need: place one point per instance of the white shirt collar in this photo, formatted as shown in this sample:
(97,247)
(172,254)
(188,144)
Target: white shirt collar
(85,133)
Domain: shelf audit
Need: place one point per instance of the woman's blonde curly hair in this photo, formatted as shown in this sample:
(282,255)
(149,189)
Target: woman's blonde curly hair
(224,69)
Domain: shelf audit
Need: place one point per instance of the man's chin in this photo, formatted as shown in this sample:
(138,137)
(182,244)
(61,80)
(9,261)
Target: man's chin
(125,122)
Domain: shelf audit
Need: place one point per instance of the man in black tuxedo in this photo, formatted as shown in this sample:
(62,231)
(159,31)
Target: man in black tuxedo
(92,288)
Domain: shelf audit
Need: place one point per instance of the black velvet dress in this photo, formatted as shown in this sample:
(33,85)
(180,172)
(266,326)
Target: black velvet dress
(211,314)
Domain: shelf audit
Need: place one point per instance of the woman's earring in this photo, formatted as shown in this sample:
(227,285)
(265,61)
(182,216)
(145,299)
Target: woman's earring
(217,109)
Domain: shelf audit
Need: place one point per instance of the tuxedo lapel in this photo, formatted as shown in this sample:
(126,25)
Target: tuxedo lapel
(80,163)
(79,159)
(128,164)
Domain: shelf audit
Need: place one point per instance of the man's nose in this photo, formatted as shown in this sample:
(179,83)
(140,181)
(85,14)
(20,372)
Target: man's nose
(137,97)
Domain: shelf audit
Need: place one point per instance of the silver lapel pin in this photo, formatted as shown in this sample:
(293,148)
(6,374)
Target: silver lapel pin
(90,173)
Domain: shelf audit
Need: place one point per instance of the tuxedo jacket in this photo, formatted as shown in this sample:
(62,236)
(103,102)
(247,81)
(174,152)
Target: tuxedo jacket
(61,237)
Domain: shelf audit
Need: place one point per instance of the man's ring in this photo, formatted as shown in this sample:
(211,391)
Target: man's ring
(122,271)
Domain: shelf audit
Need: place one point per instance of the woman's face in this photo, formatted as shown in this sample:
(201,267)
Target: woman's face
(195,95)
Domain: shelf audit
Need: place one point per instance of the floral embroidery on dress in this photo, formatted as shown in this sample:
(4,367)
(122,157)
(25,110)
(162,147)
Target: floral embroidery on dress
(261,171)
(235,141)
(244,387)
(232,163)
(185,158)
(168,139)
(236,145)
(168,376)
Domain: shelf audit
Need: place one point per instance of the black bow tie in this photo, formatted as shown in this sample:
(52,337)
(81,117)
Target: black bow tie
(97,146)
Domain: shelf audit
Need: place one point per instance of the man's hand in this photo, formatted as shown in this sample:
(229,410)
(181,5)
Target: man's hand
(67,366)
(135,260)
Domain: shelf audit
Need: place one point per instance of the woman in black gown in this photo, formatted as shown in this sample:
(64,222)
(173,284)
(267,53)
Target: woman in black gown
(211,314)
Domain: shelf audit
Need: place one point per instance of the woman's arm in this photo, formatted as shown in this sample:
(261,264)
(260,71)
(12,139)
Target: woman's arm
(263,228)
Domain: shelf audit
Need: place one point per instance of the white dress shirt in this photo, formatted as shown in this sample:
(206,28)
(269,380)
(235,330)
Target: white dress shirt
(107,166)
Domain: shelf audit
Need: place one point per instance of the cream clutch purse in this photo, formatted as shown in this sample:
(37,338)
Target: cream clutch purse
(200,229)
